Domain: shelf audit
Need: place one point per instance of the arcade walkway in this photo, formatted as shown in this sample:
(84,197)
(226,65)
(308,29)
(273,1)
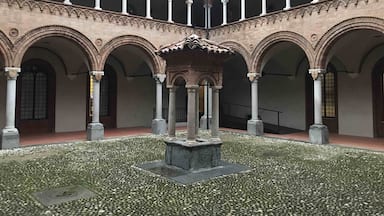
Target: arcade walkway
(375,144)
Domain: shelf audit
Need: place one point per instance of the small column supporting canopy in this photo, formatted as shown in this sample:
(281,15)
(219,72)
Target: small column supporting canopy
(197,61)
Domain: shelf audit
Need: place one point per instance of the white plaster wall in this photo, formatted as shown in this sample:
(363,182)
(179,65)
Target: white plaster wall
(286,95)
(235,96)
(71,103)
(355,95)
(355,105)
(136,100)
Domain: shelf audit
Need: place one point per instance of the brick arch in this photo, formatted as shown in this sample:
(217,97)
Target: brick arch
(178,76)
(5,49)
(211,79)
(327,41)
(241,50)
(284,36)
(31,37)
(157,64)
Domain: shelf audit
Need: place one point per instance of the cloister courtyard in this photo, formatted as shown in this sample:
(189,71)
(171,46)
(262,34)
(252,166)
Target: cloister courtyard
(285,178)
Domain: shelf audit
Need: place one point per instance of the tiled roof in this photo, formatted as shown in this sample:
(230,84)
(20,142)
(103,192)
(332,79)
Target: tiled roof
(193,42)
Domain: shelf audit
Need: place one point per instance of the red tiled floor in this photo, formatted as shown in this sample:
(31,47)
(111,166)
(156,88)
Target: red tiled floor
(41,139)
(376,144)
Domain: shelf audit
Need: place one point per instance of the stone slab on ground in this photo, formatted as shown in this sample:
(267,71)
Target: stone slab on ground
(186,177)
(63,194)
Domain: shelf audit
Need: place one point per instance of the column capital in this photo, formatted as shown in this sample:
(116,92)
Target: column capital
(67,2)
(216,88)
(12,72)
(224,1)
(160,77)
(194,87)
(316,73)
(252,76)
(97,75)
(189,2)
(209,2)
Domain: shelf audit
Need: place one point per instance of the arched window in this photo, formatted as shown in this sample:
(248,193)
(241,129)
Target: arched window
(329,86)
(34,92)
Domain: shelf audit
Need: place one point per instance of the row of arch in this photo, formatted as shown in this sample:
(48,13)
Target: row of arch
(316,54)
(13,53)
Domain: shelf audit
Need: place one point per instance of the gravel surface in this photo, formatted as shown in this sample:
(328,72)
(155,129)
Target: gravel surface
(287,178)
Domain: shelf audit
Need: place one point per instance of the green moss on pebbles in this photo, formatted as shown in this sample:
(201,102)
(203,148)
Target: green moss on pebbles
(286,178)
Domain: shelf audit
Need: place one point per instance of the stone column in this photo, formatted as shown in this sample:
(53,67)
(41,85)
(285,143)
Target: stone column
(255,125)
(124,7)
(159,126)
(204,119)
(263,7)
(215,113)
(95,130)
(97,5)
(191,113)
(67,2)
(172,112)
(189,12)
(225,10)
(287,4)
(318,133)
(197,118)
(170,7)
(208,18)
(148,9)
(242,13)
(210,99)
(10,134)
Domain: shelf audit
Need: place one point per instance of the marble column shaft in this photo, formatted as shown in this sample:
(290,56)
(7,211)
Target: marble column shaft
(12,73)
(172,112)
(97,5)
(215,113)
(170,9)
(124,7)
(191,113)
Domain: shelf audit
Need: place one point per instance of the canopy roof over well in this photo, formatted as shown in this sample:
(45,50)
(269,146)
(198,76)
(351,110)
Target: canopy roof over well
(194,42)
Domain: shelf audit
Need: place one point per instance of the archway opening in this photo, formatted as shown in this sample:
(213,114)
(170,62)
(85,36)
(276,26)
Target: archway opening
(357,67)
(283,107)
(50,87)
(132,96)
(235,97)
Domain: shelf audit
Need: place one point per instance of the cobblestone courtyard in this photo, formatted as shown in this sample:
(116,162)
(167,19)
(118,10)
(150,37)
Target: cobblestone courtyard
(286,178)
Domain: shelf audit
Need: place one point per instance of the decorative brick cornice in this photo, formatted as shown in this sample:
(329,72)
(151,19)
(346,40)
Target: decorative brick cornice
(299,12)
(79,12)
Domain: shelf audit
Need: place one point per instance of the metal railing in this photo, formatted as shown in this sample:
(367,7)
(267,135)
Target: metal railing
(243,111)
(181,114)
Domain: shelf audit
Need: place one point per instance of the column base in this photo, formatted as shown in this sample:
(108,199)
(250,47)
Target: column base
(205,122)
(318,134)
(9,139)
(95,131)
(159,126)
(255,127)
